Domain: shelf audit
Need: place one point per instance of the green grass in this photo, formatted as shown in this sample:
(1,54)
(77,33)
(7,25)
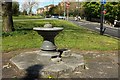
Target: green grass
(27,17)
(72,37)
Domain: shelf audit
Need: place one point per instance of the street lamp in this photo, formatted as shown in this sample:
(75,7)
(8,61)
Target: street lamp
(102,29)
(78,7)
(67,6)
(64,8)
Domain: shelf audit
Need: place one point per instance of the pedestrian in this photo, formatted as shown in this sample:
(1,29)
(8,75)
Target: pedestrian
(79,18)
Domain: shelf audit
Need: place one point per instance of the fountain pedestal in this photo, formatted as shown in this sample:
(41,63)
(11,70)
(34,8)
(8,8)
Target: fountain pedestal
(48,35)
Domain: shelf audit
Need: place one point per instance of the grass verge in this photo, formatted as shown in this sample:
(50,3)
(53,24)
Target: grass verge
(72,37)
(27,17)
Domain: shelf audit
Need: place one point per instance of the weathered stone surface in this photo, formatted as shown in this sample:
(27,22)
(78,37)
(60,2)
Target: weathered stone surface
(48,25)
(24,60)
(66,53)
(56,69)
(74,61)
(46,53)
(49,67)
(56,60)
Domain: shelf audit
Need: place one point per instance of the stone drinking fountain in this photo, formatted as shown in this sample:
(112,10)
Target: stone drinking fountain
(55,61)
(48,33)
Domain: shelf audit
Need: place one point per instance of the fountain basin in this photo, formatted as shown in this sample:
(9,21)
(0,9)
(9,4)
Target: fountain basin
(48,29)
(48,35)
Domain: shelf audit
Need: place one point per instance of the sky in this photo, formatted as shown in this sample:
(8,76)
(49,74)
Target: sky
(42,3)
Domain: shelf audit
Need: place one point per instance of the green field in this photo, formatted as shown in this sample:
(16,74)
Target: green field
(27,17)
(72,37)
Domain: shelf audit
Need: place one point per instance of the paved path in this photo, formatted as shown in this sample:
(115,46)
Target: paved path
(112,31)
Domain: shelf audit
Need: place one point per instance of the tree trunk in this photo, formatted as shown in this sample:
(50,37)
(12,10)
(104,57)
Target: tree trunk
(7,24)
(30,11)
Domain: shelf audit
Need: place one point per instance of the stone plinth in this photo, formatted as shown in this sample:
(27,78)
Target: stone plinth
(50,66)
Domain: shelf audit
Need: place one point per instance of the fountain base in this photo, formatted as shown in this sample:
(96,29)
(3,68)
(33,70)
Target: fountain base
(55,67)
(48,46)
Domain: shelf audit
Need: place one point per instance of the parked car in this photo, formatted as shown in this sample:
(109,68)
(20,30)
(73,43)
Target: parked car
(48,16)
(61,17)
(116,23)
(54,16)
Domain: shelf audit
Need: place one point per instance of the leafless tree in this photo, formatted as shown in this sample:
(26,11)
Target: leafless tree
(28,5)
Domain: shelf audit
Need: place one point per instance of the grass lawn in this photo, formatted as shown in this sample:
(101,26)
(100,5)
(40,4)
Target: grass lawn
(72,37)
(27,17)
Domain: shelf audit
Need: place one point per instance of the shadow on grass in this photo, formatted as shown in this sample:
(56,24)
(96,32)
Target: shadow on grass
(32,73)
(25,29)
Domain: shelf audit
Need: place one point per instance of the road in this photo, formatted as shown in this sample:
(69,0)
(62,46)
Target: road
(112,31)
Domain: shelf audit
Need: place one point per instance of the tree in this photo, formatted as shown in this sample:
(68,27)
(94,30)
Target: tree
(54,10)
(28,6)
(92,10)
(112,11)
(7,24)
(24,12)
(15,8)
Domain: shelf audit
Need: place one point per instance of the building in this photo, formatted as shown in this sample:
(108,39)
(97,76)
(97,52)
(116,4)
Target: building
(47,8)
(44,9)
(40,10)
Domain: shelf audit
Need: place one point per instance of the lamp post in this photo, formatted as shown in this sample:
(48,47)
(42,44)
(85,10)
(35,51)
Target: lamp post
(101,19)
(102,29)
(78,7)
(67,7)
(64,8)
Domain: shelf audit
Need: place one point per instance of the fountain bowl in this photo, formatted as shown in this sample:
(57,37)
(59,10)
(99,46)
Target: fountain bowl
(48,29)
